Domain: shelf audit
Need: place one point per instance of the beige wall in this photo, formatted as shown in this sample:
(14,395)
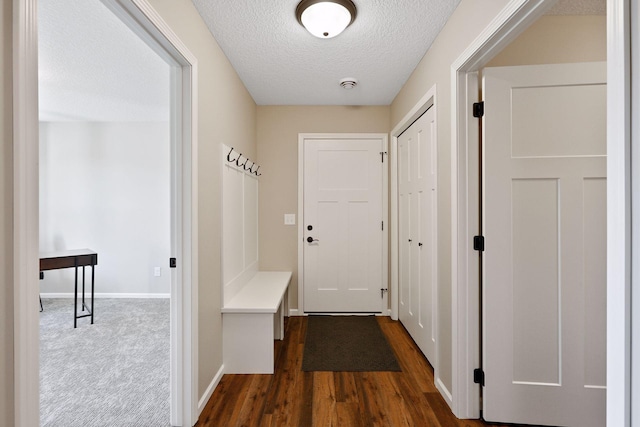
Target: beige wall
(278,129)
(227,114)
(557,39)
(6,220)
(466,23)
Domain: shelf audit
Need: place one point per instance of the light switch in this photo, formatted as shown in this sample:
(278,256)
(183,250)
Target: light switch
(289,219)
(157,272)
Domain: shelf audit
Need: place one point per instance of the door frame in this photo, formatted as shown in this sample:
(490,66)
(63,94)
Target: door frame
(425,103)
(385,210)
(151,28)
(634,305)
(421,107)
(514,18)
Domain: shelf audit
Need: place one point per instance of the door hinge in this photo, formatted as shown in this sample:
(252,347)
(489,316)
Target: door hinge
(172,263)
(382,153)
(478,243)
(382,225)
(478,109)
(478,376)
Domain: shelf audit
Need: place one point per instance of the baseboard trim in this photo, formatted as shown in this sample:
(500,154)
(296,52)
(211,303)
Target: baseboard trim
(295,312)
(209,391)
(103,295)
(444,391)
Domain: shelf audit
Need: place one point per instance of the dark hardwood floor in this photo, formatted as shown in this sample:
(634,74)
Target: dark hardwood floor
(295,398)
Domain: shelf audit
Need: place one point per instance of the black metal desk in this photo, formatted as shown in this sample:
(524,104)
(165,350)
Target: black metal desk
(73,259)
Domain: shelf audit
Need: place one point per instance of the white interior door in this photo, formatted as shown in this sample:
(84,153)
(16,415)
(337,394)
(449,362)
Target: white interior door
(545,244)
(343,211)
(417,232)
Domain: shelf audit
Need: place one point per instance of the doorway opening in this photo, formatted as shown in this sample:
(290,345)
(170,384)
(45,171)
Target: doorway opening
(147,24)
(104,185)
(466,198)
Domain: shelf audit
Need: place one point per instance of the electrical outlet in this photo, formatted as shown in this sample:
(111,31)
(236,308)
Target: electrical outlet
(289,219)
(157,272)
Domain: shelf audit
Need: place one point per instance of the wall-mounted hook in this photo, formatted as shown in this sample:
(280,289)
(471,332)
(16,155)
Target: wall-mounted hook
(248,165)
(229,156)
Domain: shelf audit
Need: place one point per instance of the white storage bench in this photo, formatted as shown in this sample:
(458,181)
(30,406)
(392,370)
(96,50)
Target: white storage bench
(252,320)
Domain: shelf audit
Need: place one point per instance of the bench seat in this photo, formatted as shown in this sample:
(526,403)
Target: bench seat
(262,294)
(252,320)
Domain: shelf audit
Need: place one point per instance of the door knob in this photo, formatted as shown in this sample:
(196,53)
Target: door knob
(311,239)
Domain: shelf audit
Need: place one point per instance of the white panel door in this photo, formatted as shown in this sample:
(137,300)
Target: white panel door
(417,229)
(544,340)
(343,213)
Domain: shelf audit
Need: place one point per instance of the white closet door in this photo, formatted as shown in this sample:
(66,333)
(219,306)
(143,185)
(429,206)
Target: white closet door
(545,244)
(418,232)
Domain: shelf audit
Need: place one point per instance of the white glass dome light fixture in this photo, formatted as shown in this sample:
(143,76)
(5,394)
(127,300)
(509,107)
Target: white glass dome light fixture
(326,18)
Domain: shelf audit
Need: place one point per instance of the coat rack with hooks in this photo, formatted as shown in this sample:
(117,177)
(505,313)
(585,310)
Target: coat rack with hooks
(244,165)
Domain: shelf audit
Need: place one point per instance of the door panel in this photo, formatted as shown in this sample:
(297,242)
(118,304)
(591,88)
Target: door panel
(343,205)
(536,285)
(544,263)
(417,279)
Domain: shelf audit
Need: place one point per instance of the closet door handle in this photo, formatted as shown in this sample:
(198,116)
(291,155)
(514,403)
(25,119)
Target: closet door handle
(311,239)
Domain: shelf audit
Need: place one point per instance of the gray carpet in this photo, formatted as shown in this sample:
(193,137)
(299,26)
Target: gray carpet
(346,343)
(112,373)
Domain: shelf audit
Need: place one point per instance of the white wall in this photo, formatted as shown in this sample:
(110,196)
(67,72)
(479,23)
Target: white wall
(105,186)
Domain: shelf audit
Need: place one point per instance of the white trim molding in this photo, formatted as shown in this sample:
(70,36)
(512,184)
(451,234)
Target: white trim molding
(202,403)
(385,205)
(152,28)
(103,295)
(26,333)
(620,197)
(635,208)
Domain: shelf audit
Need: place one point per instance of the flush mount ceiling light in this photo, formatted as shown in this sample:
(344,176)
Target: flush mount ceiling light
(326,18)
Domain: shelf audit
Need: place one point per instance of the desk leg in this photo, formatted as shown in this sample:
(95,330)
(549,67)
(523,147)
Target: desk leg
(75,301)
(93,276)
(83,288)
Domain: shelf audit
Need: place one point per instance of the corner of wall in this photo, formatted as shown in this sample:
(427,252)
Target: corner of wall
(6,216)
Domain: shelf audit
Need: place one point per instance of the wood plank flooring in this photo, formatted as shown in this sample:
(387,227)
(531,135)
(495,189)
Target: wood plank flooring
(295,398)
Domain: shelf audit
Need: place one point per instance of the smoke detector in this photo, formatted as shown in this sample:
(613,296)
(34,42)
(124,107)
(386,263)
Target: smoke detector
(348,83)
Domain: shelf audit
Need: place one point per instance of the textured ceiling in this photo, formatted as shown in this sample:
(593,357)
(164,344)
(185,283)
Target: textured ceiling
(579,7)
(92,67)
(280,63)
